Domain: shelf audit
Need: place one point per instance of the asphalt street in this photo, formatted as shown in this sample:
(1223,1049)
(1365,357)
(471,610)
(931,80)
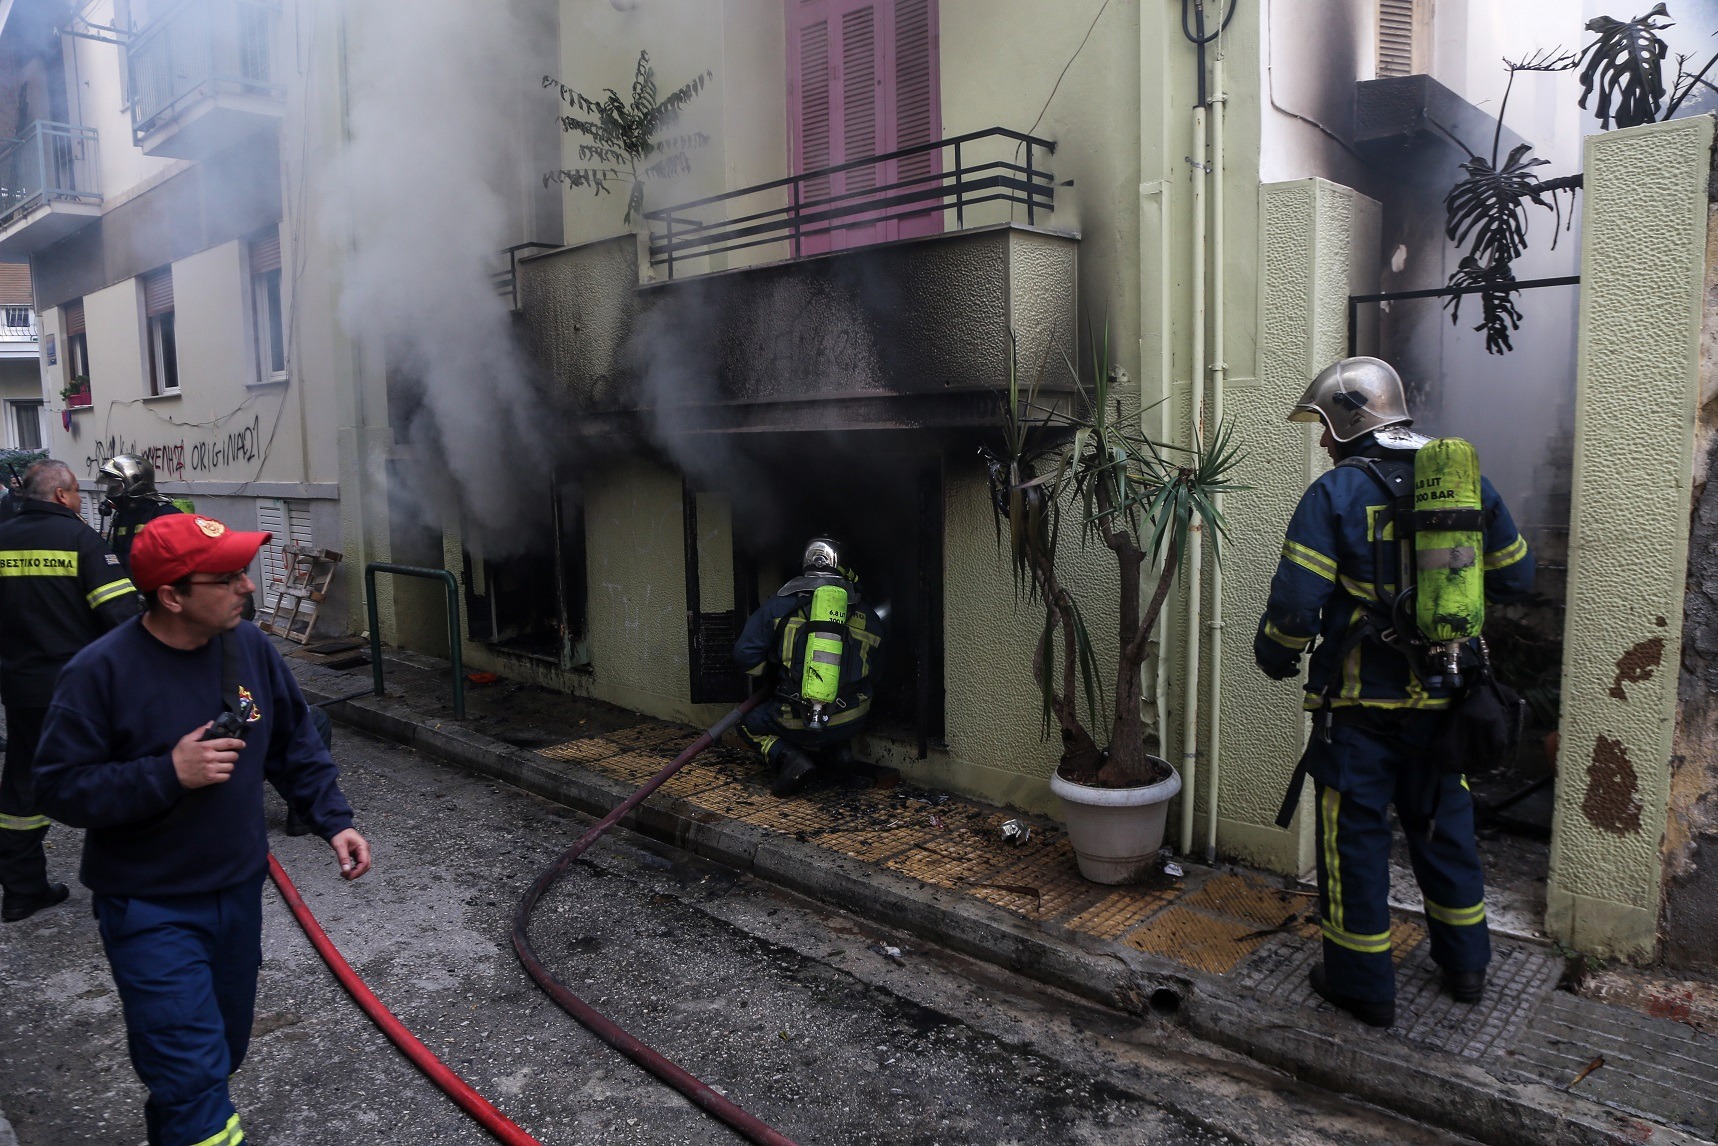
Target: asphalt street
(824,1026)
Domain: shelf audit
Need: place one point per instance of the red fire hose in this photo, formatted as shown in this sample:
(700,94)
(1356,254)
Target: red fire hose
(604,1028)
(422,1057)
(456,1088)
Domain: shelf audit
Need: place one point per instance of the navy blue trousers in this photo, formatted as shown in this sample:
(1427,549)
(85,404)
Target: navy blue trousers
(1368,765)
(186,969)
(23,862)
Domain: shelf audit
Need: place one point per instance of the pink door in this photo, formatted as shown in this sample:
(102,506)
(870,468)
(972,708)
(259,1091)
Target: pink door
(862,81)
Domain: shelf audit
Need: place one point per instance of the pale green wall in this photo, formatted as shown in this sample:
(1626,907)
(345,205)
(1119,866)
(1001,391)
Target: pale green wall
(1316,243)
(1635,409)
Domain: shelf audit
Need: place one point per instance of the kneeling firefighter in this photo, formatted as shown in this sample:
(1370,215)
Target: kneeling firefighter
(825,649)
(129,483)
(1389,559)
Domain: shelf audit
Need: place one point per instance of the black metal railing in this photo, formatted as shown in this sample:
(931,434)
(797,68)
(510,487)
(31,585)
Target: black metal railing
(819,203)
(507,280)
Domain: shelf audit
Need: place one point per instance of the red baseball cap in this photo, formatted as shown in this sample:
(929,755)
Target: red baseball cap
(176,545)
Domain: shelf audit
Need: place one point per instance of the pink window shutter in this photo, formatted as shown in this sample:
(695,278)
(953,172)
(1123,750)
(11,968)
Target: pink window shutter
(862,82)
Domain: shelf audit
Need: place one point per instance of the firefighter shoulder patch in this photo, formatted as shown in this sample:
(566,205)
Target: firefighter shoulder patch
(250,704)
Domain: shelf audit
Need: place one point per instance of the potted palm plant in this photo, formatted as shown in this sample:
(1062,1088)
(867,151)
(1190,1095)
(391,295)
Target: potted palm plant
(1140,500)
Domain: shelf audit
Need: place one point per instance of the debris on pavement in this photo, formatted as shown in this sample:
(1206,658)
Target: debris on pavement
(1016,832)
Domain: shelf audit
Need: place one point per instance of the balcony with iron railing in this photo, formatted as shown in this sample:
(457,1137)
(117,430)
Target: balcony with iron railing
(204,75)
(49,186)
(18,332)
(967,180)
(886,293)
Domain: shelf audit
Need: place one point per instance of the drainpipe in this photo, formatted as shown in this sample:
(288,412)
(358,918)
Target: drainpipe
(1219,372)
(1195,535)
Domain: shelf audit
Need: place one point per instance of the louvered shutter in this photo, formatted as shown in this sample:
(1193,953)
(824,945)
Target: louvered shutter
(265,252)
(916,116)
(271,518)
(158,292)
(1398,38)
(858,80)
(72,314)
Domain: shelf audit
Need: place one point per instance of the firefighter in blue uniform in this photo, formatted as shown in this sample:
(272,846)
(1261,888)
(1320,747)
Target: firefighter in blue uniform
(60,589)
(787,730)
(129,483)
(1374,718)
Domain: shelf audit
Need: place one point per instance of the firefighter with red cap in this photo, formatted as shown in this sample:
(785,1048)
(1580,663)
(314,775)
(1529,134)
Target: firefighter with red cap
(157,742)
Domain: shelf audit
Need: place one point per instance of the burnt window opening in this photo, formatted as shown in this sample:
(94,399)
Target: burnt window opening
(533,604)
(886,510)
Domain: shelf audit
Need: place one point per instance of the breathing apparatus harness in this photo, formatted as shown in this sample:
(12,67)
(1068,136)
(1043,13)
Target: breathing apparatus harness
(1431,536)
(821,647)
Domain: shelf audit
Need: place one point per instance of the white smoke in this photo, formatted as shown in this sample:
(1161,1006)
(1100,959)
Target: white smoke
(441,95)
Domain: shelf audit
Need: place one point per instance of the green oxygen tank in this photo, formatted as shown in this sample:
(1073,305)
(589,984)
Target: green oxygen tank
(1449,541)
(825,637)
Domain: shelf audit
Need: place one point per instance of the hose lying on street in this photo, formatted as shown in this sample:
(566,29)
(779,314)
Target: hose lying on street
(698,1092)
(421,1056)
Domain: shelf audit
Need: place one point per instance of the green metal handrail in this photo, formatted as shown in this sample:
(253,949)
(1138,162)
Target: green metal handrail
(453,644)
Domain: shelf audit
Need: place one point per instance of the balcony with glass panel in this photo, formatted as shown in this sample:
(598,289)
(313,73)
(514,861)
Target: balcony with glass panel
(49,187)
(204,75)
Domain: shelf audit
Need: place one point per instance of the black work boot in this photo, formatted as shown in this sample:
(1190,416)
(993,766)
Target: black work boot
(17,908)
(1370,1012)
(793,771)
(1465,986)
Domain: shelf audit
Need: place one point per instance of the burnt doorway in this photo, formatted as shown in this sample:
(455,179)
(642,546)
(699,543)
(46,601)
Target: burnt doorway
(531,603)
(883,501)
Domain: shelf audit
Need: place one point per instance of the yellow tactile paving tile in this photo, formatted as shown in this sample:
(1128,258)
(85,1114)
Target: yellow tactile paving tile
(1254,901)
(1405,935)
(1042,884)
(947,860)
(689,783)
(633,767)
(735,800)
(586,751)
(646,735)
(1120,911)
(874,844)
(1197,940)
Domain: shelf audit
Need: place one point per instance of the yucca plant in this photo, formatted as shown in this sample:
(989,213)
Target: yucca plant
(1139,499)
(626,135)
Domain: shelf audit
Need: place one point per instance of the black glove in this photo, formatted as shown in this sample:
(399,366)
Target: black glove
(1275,661)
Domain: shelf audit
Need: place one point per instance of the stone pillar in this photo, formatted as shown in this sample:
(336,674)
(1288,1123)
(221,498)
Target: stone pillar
(1317,245)
(1643,268)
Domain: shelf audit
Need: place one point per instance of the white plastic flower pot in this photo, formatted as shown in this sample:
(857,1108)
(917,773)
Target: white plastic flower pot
(1116,832)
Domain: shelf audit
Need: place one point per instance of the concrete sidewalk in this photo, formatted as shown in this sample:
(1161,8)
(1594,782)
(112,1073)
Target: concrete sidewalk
(1223,951)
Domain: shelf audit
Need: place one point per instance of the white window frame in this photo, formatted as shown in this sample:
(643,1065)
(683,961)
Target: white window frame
(15,410)
(267,323)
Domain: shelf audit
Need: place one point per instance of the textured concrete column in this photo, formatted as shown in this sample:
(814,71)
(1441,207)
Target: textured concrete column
(1643,262)
(1317,244)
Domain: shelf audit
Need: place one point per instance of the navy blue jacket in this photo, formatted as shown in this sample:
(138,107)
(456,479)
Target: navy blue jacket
(772,634)
(105,763)
(1326,574)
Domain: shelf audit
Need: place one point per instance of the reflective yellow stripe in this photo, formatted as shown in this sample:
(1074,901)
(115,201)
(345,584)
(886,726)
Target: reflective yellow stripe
(1332,859)
(844,716)
(1508,555)
(1456,916)
(1314,701)
(1365,590)
(101,595)
(38,563)
(1284,639)
(22,823)
(1310,559)
(1372,512)
(229,1135)
(1365,944)
(757,670)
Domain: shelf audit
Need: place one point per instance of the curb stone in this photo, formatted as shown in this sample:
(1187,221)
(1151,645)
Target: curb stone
(1428,1085)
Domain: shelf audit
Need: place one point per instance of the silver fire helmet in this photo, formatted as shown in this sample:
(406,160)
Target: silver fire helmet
(1354,397)
(822,558)
(126,475)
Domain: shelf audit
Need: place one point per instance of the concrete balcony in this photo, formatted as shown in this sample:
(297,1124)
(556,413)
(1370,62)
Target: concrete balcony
(912,335)
(49,187)
(204,75)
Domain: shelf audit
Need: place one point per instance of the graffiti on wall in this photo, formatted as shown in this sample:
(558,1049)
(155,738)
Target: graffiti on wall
(209,455)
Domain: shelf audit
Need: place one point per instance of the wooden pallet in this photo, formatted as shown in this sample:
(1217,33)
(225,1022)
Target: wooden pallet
(290,604)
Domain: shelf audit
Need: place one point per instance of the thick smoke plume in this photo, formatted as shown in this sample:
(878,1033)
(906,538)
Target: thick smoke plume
(431,185)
